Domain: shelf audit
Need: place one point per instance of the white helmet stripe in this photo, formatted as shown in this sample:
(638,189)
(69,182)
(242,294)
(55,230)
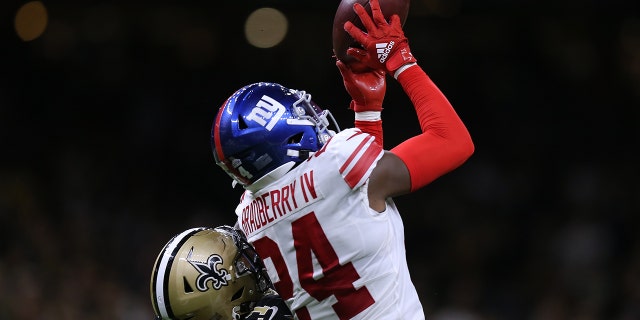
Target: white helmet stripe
(161,278)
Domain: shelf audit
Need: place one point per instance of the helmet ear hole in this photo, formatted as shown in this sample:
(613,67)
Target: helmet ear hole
(295,138)
(238,294)
(242,124)
(187,286)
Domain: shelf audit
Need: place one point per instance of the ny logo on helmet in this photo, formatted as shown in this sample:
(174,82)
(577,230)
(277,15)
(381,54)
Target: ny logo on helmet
(267,112)
(209,272)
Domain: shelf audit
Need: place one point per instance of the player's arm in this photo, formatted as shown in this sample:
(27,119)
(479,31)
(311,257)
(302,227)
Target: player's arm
(444,143)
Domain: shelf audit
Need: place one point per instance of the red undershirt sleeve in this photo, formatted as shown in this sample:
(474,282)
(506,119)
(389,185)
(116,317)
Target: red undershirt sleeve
(444,144)
(373,128)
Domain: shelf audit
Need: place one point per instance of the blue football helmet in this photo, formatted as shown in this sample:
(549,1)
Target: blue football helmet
(264,129)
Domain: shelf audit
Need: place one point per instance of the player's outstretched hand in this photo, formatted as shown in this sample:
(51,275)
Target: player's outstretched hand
(366,87)
(385,44)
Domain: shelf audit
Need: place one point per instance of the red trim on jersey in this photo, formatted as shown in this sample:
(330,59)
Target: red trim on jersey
(444,144)
(357,133)
(353,154)
(363,162)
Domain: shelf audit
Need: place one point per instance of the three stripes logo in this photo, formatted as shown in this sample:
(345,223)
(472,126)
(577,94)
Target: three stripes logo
(383,49)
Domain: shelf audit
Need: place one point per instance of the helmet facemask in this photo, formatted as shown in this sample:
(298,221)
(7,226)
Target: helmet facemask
(247,262)
(308,110)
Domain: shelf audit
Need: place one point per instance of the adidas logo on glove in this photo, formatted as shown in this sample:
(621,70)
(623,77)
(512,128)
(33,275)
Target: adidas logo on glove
(383,49)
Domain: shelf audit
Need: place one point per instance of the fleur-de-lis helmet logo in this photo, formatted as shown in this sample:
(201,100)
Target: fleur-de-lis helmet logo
(209,271)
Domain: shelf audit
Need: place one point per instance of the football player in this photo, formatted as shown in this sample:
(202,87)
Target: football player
(213,273)
(318,203)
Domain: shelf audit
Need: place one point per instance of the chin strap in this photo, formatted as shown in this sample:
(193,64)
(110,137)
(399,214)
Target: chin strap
(278,172)
(270,177)
(300,154)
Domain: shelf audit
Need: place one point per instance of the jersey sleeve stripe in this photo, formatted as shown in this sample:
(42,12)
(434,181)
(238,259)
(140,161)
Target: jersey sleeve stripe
(352,156)
(363,162)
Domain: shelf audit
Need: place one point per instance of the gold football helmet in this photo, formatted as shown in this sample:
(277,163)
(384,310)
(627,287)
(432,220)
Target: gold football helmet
(207,273)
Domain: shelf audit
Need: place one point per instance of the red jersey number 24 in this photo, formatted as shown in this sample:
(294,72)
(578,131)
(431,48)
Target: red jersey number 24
(337,279)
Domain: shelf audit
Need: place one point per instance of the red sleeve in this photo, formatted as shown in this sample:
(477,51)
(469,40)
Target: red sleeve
(373,128)
(444,144)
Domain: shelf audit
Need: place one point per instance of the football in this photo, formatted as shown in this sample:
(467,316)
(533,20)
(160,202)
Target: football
(342,40)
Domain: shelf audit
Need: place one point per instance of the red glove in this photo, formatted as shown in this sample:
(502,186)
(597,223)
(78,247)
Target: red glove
(366,87)
(386,46)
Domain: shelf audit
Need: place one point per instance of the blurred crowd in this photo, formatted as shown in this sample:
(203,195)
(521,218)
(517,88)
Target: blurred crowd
(104,137)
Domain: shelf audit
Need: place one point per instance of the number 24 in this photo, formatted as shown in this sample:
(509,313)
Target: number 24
(337,279)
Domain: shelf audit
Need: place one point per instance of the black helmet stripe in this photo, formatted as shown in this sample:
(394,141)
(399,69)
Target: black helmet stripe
(162,271)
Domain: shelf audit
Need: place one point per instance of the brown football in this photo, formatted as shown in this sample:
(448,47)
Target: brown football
(342,40)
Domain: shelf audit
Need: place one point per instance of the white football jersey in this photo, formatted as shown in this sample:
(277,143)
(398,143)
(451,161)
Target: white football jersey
(329,255)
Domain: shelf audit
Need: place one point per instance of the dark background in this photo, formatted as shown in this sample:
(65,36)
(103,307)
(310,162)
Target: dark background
(105,130)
